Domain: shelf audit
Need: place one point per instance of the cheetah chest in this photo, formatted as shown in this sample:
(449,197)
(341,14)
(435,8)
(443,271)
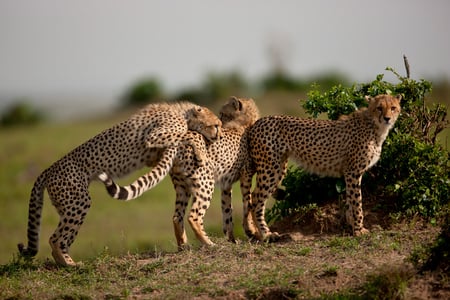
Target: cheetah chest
(373,154)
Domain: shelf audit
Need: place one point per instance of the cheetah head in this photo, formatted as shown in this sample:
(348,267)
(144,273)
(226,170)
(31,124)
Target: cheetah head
(239,112)
(205,122)
(384,109)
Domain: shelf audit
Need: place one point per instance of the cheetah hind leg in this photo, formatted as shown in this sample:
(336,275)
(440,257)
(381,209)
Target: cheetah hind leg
(263,234)
(182,199)
(199,206)
(61,258)
(261,193)
(247,221)
(227,215)
(69,224)
(180,233)
(60,244)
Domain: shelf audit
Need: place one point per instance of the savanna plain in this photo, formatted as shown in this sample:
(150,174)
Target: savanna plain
(128,250)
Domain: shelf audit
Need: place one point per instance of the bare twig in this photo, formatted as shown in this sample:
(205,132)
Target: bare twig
(405,60)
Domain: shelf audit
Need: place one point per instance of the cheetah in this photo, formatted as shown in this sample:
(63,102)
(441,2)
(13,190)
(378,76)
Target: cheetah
(224,165)
(119,150)
(346,147)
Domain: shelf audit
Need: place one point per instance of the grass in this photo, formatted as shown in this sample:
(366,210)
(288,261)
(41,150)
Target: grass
(303,269)
(121,227)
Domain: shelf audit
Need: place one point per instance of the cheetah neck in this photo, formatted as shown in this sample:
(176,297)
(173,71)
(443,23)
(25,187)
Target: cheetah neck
(186,108)
(380,130)
(235,125)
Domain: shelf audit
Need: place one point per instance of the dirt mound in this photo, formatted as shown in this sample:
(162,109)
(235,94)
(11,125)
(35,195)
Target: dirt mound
(329,218)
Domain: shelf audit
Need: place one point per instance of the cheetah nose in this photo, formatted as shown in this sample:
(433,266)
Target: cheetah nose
(215,136)
(387,119)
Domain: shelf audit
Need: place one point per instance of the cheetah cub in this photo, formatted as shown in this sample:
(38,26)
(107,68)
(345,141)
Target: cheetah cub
(224,166)
(346,147)
(126,147)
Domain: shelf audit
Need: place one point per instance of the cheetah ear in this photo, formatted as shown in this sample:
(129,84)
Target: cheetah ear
(194,113)
(368,98)
(237,104)
(399,97)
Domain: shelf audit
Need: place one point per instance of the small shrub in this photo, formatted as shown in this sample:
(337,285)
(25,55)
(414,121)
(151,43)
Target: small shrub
(303,192)
(21,113)
(144,92)
(414,174)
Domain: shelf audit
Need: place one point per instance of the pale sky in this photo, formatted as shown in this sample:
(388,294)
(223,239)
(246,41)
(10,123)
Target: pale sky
(98,48)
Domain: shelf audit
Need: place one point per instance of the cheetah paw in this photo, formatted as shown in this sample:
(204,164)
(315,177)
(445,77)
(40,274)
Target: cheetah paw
(361,231)
(272,237)
(200,158)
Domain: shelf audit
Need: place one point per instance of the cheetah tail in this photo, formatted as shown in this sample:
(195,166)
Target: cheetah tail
(34,217)
(143,183)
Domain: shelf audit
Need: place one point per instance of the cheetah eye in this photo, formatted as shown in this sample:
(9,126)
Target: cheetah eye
(379,108)
(393,108)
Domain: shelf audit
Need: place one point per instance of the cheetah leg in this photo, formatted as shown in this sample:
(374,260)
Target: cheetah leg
(182,199)
(198,146)
(247,221)
(69,224)
(199,206)
(227,215)
(60,250)
(267,181)
(165,136)
(354,212)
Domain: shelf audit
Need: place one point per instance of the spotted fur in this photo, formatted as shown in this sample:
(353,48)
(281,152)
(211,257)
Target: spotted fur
(119,150)
(347,147)
(223,166)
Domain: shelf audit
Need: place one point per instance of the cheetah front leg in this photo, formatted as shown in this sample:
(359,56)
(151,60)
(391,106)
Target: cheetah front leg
(354,212)
(198,145)
(166,136)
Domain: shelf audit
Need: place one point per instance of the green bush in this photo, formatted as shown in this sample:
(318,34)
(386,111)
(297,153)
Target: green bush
(144,92)
(20,113)
(414,170)
(312,188)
